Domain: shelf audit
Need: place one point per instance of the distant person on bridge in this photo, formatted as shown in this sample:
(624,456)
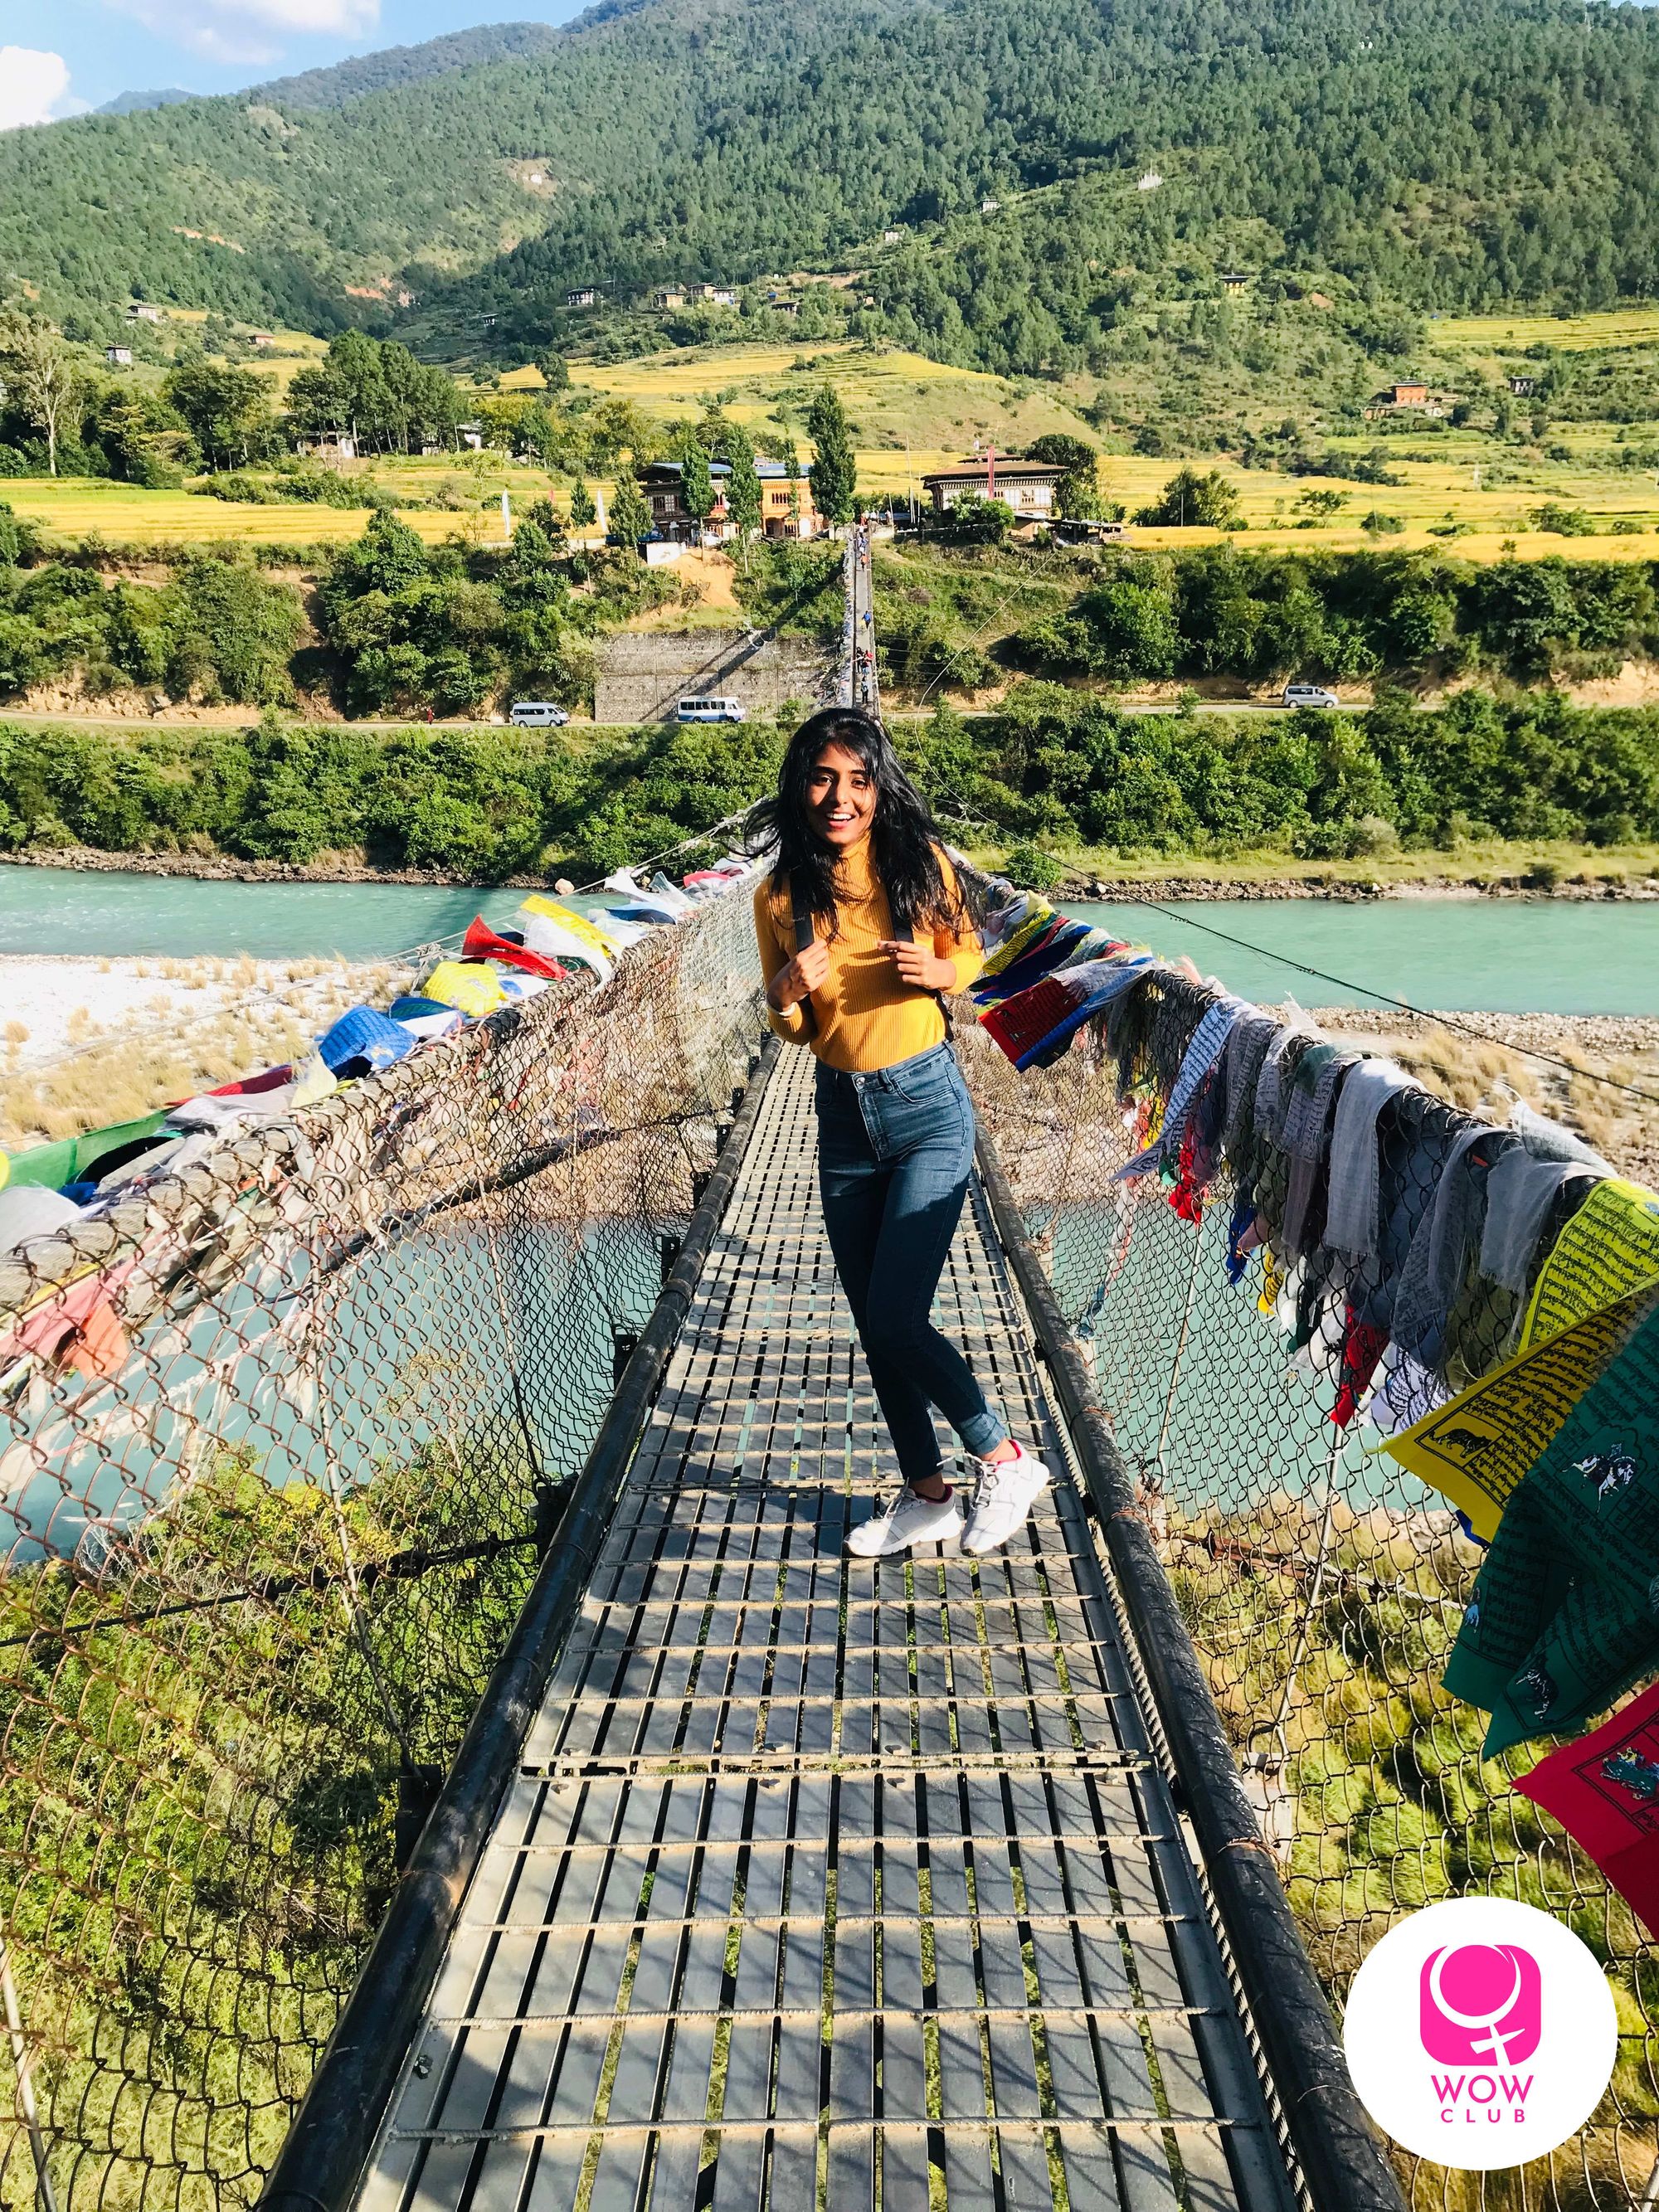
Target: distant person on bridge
(863,893)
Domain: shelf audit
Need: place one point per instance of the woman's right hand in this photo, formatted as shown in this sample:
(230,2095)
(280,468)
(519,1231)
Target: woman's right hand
(805,973)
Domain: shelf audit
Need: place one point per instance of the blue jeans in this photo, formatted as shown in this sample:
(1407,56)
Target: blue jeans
(895,1147)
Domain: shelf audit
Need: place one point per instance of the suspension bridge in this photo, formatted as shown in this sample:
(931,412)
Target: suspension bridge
(451,1763)
(816,1879)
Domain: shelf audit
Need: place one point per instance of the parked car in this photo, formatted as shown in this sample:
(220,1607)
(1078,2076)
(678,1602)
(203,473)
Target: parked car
(709,710)
(538,714)
(1310,694)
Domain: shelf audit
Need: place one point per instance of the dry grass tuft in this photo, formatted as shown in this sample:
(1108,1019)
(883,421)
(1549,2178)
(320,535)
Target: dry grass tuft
(171,1053)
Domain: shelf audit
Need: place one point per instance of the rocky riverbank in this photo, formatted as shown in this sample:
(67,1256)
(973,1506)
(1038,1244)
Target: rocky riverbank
(1481,882)
(1139,890)
(225,868)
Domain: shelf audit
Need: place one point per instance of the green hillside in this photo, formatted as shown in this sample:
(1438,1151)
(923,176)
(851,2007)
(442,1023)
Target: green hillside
(1466,155)
(360,73)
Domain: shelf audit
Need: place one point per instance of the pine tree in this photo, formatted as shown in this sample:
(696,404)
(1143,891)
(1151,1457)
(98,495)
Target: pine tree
(696,483)
(743,488)
(791,474)
(583,513)
(630,517)
(833,472)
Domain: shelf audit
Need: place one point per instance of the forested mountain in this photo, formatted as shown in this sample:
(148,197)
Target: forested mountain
(349,80)
(1444,153)
(133,103)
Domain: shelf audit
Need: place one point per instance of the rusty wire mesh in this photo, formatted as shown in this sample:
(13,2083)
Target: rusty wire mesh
(1323,1585)
(281,1439)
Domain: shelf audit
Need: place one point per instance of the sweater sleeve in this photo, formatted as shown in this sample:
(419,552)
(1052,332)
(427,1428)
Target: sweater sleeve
(791,1023)
(963,947)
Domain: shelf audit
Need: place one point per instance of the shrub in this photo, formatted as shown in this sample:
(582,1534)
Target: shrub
(1190,500)
(1032,869)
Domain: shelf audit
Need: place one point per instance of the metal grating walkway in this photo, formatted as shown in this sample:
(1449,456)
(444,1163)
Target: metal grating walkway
(827,1883)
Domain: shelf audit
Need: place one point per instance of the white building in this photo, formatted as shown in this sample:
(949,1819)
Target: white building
(1028,487)
(328,446)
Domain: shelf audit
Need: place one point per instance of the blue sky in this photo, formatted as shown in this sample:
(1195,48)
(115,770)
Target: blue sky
(60,57)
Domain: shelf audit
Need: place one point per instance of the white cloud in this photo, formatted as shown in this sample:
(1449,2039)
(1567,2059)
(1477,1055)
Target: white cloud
(252,31)
(33,88)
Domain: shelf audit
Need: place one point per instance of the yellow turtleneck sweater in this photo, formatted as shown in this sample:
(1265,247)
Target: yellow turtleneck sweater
(866,1017)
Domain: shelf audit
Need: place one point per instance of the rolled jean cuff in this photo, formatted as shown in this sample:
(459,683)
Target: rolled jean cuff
(983,1434)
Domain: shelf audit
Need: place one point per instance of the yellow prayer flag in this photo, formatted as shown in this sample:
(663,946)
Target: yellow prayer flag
(1475,1449)
(1610,1246)
(468,984)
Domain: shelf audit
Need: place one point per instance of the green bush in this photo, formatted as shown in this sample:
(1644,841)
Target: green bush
(1064,766)
(1033,869)
(1344,617)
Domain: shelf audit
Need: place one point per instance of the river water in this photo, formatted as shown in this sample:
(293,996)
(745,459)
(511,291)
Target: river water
(1502,955)
(1455,955)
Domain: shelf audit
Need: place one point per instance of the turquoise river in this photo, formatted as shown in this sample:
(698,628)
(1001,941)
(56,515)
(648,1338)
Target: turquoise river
(1504,955)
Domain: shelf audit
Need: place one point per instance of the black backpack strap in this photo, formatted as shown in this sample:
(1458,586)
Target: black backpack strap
(805,920)
(805,930)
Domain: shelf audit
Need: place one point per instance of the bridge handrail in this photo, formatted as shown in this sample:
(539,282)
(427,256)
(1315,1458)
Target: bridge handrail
(325,2152)
(1320,1585)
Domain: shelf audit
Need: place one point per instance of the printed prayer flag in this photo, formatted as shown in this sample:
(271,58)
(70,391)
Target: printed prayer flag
(1610,1246)
(1604,1790)
(1561,1622)
(1035,1025)
(1476,1447)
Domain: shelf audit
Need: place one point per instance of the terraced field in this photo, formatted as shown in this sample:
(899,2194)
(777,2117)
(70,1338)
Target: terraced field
(1593,333)
(891,396)
(1460,489)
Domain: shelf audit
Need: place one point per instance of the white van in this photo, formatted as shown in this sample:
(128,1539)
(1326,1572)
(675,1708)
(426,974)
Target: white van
(538,714)
(1310,694)
(708,710)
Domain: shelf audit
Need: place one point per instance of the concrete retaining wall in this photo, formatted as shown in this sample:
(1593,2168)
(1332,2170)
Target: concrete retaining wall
(644,674)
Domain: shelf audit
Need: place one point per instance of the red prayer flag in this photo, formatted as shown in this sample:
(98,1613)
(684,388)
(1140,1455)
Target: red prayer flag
(1604,1790)
(482,942)
(1022,1023)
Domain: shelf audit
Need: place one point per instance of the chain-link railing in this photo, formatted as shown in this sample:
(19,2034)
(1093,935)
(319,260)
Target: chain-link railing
(1324,1586)
(282,1437)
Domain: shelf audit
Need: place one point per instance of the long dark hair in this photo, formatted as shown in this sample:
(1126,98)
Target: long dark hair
(902,850)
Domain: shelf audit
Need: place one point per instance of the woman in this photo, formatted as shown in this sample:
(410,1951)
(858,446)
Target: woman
(862,926)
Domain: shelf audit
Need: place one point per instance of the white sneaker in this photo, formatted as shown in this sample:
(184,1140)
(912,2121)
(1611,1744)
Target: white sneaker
(1007,1489)
(909,1520)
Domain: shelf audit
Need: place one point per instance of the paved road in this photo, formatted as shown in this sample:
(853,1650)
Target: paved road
(68,720)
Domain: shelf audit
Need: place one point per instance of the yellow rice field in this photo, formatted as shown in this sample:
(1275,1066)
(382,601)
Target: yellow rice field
(76,508)
(910,415)
(1591,333)
(123,515)
(1435,493)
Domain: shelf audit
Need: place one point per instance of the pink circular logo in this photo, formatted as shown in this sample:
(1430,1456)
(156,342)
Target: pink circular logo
(1480,2033)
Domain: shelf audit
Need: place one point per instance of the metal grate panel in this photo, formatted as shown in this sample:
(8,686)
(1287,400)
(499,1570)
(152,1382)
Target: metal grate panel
(826,1881)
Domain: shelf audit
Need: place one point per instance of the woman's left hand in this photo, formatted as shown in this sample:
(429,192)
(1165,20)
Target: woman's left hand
(919,966)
